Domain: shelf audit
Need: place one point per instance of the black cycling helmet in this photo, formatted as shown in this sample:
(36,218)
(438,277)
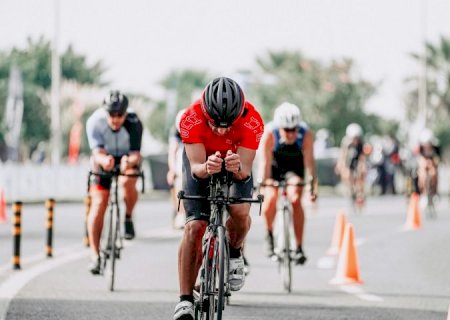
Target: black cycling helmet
(223,102)
(115,102)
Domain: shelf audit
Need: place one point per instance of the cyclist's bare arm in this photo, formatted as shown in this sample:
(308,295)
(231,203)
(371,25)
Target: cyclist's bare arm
(340,163)
(310,164)
(130,161)
(266,145)
(103,159)
(246,157)
(196,154)
(172,152)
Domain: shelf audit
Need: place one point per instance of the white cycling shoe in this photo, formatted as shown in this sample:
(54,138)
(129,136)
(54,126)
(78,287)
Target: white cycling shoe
(184,310)
(237,274)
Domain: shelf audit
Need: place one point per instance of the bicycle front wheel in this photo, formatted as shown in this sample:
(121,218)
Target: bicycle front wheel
(221,253)
(286,263)
(216,275)
(114,248)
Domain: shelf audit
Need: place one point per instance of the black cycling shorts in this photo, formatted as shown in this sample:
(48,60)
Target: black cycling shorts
(104,183)
(200,210)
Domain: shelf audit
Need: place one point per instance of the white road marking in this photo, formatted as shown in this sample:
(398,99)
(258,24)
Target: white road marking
(357,291)
(17,281)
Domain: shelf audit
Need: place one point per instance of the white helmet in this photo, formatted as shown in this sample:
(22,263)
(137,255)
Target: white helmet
(287,115)
(178,118)
(427,136)
(353,130)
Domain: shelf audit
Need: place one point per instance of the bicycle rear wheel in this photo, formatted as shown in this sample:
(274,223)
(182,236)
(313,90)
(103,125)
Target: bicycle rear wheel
(286,261)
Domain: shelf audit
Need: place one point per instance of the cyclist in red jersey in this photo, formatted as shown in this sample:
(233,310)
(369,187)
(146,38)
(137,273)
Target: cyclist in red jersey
(220,130)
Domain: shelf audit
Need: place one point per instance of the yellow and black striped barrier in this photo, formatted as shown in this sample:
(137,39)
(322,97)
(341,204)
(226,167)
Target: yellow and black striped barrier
(87,203)
(50,205)
(16,232)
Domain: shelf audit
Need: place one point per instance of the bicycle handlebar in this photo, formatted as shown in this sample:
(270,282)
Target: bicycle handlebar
(231,200)
(282,183)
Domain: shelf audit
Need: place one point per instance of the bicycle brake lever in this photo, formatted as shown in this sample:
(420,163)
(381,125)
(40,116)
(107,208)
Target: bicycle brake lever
(179,196)
(261,199)
(143,182)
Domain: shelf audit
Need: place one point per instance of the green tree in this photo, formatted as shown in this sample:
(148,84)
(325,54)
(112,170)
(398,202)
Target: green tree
(437,58)
(182,84)
(330,95)
(34,63)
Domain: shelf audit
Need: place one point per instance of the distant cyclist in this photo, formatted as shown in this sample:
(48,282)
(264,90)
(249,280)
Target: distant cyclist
(219,130)
(428,161)
(351,164)
(286,150)
(174,160)
(114,134)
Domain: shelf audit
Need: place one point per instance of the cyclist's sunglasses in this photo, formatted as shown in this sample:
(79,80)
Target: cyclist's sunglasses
(116,114)
(289,129)
(213,125)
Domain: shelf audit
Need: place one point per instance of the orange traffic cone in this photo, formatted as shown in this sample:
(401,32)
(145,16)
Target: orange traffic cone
(3,217)
(338,233)
(347,271)
(413,220)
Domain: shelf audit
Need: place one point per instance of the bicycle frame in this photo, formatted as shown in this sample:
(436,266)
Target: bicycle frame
(214,285)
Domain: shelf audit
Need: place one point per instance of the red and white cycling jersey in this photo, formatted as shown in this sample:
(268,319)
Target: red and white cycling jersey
(245,132)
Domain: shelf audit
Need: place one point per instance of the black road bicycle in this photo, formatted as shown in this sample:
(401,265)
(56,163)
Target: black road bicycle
(214,285)
(112,243)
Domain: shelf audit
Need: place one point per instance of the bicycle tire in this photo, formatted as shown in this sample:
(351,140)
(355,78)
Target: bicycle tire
(113,256)
(221,241)
(202,305)
(286,263)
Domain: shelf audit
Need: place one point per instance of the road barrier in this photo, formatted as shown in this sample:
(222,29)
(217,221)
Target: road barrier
(49,204)
(16,232)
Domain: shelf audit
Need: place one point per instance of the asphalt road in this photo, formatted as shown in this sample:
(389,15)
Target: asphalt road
(406,274)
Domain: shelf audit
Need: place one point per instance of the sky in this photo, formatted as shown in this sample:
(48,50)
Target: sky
(141,41)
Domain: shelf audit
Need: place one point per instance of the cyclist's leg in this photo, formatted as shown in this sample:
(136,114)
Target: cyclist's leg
(269,206)
(433,172)
(130,197)
(99,196)
(239,221)
(130,193)
(197,216)
(269,209)
(238,225)
(190,255)
(99,192)
(421,174)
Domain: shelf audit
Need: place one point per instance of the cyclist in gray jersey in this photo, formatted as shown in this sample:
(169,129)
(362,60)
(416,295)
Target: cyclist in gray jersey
(114,135)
